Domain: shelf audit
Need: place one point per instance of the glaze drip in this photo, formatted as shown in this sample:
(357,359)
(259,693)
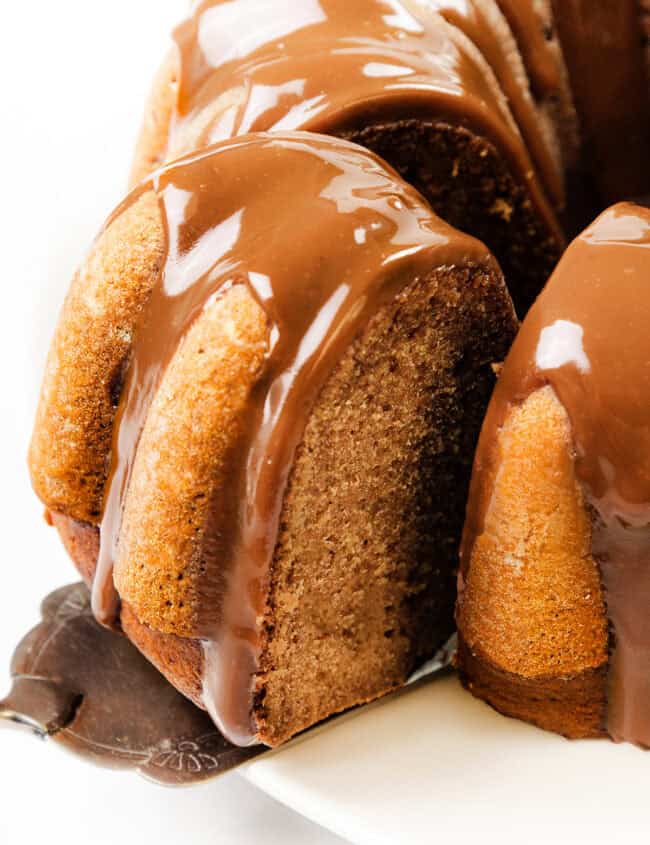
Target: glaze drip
(587,336)
(528,28)
(609,78)
(470,17)
(363,235)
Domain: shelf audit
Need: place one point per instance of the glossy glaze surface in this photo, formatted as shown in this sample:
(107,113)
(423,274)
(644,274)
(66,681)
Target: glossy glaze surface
(333,236)
(471,18)
(603,46)
(331,66)
(528,28)
(587,336)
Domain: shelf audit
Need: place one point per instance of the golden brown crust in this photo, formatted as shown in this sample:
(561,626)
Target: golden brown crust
(87,358)
(151,146)
(81,542)
(156,144)
(386,612)
(179,485)
(533,630)
(179,659)
(571,705)
(532,601)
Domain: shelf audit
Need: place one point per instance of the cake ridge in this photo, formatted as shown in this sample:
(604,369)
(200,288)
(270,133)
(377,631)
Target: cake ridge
(581,360)
(240,332)
(262,399)
(397,77)
(412,52)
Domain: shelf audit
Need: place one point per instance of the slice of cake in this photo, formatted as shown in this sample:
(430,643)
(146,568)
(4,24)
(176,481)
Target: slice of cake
(554,593)
(257,425)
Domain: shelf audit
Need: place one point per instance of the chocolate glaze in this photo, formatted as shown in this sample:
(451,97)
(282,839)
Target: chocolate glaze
(534,45)
(610,84)
(333,66)
(587,336)
(469,16)
(332,236)
(91,691)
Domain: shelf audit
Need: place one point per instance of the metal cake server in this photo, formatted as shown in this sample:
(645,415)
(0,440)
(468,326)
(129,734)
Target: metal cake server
(90,690)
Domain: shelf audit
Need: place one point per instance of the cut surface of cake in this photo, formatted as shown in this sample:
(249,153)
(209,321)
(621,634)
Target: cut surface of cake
(555,577)
(440,90)
(257,424)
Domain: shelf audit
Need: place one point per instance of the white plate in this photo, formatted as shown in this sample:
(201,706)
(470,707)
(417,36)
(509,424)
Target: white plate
(436,765)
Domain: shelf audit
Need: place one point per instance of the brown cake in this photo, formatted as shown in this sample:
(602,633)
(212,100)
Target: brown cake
(554,587)
(257,424)
(505,114)
(439,89)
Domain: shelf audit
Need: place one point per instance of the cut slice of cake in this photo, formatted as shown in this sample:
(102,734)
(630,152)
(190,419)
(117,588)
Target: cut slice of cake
(257,425)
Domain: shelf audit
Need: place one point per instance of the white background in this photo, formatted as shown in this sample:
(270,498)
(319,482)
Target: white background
(74,75)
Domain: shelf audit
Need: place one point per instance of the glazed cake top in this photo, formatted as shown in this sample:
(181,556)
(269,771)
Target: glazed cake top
(331,236)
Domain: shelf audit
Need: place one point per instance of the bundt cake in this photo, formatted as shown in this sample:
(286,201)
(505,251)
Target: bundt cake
(437,88)
(257,424)
(554,588)
(260,408)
